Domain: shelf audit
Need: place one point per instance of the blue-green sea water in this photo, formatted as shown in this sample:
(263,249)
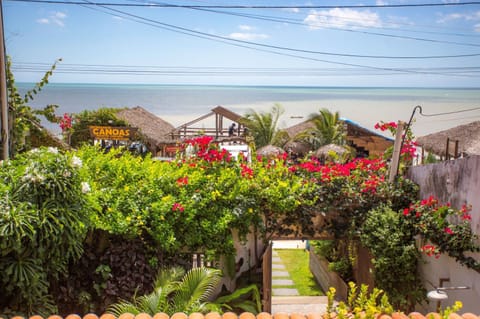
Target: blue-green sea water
(182,103)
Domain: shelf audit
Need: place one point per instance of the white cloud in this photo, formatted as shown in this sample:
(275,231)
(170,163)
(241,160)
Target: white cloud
(245,27)
(294,10)
(247,36)
(342,18)
(57,18)
(474,16)
(477,27)
(43,21)
(381,3)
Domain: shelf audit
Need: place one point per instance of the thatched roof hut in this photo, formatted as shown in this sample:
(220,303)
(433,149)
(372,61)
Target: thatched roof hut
(364,141)
(154,129)
(270,151)
(467,135)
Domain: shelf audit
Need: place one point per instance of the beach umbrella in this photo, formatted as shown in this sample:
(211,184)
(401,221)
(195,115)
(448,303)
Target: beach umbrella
(270,151)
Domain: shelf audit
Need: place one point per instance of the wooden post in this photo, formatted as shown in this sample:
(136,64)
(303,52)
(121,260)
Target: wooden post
(447,151)
(4,116)
(397,146)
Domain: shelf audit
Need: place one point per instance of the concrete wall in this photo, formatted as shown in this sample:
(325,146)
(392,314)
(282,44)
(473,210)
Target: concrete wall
(457,182)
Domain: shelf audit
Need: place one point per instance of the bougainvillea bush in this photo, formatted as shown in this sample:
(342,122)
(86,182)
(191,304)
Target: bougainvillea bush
(192,204)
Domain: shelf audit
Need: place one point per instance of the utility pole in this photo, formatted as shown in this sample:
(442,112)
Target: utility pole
(3,93)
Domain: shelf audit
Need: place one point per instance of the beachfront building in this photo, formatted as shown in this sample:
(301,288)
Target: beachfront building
(220,123)
(154,131)
(365,142)
(457,142)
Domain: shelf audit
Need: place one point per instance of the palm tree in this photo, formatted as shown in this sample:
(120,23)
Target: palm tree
(327,129)
(177,291)
(263,126)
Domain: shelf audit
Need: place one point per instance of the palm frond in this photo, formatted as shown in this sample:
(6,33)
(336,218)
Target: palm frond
(237,299)
(198,285)
(124,307)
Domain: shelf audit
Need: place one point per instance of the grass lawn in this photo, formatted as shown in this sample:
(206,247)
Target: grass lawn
(296,263)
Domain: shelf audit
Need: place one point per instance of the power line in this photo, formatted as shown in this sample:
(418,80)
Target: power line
(300,22)
(449,113)
(218,70)
(297,22)
(242,43)
(449,4)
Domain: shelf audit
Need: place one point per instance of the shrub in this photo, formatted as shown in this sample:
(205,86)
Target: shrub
(43,222)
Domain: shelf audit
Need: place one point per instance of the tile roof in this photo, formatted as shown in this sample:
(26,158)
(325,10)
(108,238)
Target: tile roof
(247,315)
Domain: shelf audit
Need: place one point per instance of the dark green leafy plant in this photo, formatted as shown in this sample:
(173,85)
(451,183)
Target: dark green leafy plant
(177,291)
(391,241)
(42,226)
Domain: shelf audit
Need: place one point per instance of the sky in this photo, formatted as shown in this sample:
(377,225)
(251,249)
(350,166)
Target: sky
(296,42)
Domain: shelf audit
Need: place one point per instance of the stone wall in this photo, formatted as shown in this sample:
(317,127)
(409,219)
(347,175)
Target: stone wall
(457,182)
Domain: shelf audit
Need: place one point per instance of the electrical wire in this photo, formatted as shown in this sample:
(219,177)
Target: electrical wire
(242,43)
(296,22)
(417,5)
(449,113)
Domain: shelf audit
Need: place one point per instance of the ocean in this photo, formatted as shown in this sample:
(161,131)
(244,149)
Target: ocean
(179,104)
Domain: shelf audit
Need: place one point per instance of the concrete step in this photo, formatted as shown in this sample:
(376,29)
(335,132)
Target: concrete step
(285,292)
(282,282)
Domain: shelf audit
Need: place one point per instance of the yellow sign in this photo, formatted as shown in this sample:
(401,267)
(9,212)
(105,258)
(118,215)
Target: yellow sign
(112,132)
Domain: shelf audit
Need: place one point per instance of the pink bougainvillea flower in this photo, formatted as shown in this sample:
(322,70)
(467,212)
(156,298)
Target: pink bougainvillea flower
(448,230)
(177,207)
(246,171)
(431,250)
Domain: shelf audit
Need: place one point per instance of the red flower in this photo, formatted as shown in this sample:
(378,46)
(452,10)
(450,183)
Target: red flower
(177,207)
(406,211)
(466,216)
(246,171)
(182,181)
(448,230)
(65,122)
(430,251)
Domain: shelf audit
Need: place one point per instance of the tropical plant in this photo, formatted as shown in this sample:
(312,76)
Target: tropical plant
(177,291)
(42,226)
(327,129)
(25,129)
(391,241)
(363,302)
(263,126)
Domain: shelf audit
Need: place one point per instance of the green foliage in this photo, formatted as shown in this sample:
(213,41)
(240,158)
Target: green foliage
(177,291)
(339,254)
(42,226)
(101,117)
(327,129)
(25,118)
(391,241)
(361,303)
(263,126)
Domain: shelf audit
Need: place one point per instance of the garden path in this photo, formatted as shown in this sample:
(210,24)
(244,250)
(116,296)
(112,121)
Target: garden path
(287,299)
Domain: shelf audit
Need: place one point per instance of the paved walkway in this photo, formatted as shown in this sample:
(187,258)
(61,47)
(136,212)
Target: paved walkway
(287,299)
(281,277)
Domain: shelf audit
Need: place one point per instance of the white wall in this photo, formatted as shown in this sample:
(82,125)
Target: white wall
(457,182)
